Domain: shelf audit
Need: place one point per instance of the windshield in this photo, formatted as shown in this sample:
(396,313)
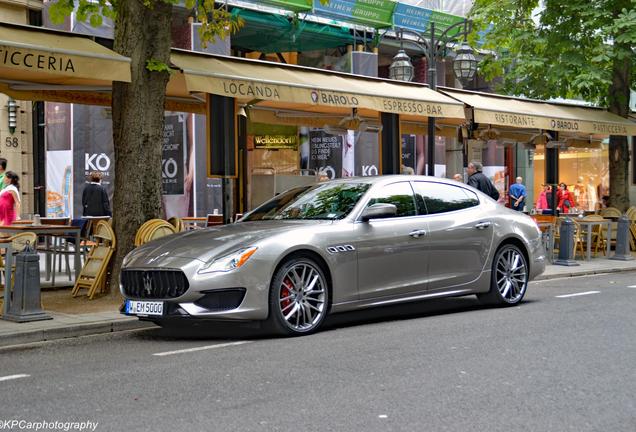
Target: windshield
(326,201)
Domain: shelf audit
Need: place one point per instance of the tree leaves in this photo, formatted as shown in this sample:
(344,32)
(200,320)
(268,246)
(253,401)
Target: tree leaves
(564,49)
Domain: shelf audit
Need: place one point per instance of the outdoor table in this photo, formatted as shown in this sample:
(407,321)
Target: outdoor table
(50,230)
(5,244)
(587,226)
(193,222)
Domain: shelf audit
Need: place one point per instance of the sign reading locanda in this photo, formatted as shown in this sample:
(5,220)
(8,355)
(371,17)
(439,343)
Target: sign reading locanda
(36,61)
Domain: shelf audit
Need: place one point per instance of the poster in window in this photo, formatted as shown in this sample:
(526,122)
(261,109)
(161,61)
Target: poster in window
(325,153)
(173,154)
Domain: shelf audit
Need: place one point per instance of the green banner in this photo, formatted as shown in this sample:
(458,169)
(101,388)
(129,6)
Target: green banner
(292,5)
(372,13)
(443,21)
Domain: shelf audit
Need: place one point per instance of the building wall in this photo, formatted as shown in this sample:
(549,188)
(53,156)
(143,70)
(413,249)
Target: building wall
(17,148)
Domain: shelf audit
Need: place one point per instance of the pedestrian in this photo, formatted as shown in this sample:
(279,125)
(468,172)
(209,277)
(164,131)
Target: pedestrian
(479,181)
(10,198)
(517,194)
(542,201)
(458,177)
(95,198)
(3,168)
(564,198)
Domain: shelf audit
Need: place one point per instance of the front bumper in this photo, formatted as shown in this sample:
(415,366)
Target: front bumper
(236,295)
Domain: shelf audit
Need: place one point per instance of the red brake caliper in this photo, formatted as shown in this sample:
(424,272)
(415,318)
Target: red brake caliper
(285,292)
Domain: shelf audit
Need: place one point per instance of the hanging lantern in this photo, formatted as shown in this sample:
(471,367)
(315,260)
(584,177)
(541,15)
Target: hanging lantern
(401,68)
(465,63)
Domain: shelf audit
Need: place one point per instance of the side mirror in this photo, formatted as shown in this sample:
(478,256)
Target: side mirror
(378,211)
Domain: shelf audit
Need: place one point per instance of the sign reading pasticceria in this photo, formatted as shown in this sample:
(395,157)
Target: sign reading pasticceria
(19,58)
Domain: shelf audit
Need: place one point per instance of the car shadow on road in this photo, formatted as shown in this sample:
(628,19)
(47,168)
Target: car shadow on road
(211,331)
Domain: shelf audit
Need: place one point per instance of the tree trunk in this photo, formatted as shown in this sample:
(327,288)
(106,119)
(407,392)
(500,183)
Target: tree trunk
(618,146)
(141,33)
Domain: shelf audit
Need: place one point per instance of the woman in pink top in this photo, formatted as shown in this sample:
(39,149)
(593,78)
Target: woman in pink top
(542,201)
(10,199)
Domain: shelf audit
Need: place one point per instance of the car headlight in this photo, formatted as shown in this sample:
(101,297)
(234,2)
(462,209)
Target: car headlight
(228,262)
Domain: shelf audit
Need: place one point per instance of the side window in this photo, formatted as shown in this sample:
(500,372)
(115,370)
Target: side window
(398,194)
(442,198)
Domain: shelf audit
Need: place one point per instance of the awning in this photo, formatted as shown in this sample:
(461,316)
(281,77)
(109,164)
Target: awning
(33,56)
(248,80)
(272,33)
(532,114)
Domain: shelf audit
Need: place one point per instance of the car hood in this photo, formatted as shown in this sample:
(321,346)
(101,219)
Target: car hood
(208,243)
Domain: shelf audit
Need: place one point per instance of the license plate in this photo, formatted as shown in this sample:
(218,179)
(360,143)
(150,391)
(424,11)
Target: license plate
(134,307)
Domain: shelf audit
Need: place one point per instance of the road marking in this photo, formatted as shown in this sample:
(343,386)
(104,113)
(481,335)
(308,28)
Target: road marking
(578,294)
(12,377)
(207,347)
(631,286)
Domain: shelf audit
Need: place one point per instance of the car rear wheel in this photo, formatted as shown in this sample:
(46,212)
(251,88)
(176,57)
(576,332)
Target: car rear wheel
(298,297)
(509,277)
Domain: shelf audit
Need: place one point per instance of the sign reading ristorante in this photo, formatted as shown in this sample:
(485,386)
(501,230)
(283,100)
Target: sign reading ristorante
(551,123)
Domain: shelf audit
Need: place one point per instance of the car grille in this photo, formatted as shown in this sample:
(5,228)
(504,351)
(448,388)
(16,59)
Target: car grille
(154,284)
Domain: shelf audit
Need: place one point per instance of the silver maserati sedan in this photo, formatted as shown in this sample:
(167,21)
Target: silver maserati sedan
(337,246)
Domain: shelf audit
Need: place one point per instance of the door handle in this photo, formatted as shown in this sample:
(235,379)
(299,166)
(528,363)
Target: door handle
(417,233)
(482,225)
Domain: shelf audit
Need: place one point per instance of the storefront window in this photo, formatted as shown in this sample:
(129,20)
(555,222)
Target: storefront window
(584,170)
(493,159)
(414,154)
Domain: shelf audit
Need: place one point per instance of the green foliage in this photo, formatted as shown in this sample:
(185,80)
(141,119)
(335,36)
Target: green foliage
(157,66)
(215,19)
(555,48)
(92,11)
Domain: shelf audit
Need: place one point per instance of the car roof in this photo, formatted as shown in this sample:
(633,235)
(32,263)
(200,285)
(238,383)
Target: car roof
(391,178)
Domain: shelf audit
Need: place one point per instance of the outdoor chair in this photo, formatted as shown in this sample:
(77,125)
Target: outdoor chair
(18,244)
(177,223)
(141,232)
(93,274)
(152,230)
(598,239)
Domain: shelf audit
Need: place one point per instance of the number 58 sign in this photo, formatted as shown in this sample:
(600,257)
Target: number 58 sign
(12,142)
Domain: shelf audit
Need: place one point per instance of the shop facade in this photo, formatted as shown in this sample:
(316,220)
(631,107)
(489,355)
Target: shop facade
(292,122)
(543,142)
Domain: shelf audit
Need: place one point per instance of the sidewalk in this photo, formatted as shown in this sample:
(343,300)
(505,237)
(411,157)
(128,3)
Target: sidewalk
(73,317)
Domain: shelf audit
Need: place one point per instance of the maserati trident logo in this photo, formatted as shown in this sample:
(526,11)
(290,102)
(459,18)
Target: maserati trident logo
(147,284)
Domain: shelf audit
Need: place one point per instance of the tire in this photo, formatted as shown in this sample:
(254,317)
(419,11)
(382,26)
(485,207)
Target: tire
(298,297)
(509,277)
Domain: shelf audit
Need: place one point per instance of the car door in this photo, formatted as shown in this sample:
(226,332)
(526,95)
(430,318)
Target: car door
(391,251)
(460,233)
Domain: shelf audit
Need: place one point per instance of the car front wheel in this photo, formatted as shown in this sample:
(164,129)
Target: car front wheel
(298,297)
(509,277)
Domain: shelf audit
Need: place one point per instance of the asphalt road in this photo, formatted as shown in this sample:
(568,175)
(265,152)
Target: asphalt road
(552,364)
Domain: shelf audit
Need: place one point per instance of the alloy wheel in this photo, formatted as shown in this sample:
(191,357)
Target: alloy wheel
(302,297)
(511,275)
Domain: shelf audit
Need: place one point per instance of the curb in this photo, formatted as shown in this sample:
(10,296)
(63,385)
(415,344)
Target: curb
(583,273)
(72,331)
